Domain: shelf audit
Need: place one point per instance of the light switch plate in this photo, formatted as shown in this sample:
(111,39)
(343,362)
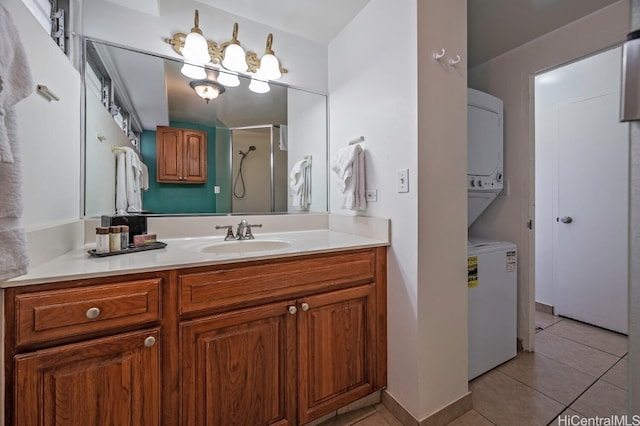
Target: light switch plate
(403,180)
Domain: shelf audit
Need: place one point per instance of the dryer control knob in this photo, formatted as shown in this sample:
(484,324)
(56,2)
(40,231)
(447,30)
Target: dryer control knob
(480,183)
(473,183)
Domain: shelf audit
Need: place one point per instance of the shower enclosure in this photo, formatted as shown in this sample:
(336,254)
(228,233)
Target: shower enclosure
(258,170)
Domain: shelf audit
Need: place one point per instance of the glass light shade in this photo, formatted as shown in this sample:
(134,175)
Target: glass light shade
(259,86)
(228,79)
(234,58)
(207,89)
(196,49)
(193,71)
(269,67)
(207,92)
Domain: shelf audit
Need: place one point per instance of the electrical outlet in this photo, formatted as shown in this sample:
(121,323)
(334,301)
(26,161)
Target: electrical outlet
(371,195)
(403,180)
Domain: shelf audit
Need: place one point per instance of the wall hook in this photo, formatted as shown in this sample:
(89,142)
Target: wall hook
(454,61)
(437,56)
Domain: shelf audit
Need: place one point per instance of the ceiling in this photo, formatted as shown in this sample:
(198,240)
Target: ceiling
(494,26)
(497,26)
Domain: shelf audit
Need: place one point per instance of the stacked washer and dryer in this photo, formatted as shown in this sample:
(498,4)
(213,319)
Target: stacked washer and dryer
(491,264)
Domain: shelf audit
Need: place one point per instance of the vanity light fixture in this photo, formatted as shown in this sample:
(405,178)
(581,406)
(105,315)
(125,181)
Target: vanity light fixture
(193,71)
(230,55)
(207,89)
(228,78)
(259,86)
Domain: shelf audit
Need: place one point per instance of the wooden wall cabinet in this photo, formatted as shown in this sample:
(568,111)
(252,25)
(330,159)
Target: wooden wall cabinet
(181,155)
(266,342)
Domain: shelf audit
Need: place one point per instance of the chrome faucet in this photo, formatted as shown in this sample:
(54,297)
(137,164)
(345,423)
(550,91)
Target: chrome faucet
(242,233)
(244,230)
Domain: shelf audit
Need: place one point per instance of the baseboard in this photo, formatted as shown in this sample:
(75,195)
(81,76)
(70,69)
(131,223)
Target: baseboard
(542,307)
(441,417)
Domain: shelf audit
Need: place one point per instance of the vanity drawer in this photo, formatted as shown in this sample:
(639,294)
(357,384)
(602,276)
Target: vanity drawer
(245,284)
(55,314)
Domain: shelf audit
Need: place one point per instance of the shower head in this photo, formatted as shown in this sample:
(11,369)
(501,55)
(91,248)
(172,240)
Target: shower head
(244,154)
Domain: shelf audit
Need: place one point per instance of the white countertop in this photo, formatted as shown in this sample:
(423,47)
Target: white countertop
(187,252)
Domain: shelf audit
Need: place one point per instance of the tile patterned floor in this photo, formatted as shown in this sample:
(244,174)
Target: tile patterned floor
(577,370)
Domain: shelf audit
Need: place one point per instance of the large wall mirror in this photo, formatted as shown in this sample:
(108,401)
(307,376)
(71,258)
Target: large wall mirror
(253,140)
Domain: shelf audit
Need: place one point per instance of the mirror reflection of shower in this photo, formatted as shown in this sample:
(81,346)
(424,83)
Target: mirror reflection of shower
(259,169)
(239,188)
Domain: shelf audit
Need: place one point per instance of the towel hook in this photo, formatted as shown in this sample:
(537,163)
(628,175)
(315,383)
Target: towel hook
(454,61)
(437,56)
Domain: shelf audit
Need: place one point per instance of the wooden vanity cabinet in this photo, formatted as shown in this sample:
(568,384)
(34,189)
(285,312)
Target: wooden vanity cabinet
(84,353)
(266,342)
(307,338)
(181,155)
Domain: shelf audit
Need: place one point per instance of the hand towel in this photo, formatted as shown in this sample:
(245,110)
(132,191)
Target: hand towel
(348,164)
(300,183)
(15,85)
(284,138)
(133,178)
(121,184)
(128,181)
(144,180)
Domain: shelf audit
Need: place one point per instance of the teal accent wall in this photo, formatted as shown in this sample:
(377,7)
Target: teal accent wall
(175,197)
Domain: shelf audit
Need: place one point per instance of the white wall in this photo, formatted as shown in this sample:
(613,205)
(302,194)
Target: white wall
(509,77)
(49,132)
(374,89)
(307,135)
(101,175)
(305,60)
(442,205)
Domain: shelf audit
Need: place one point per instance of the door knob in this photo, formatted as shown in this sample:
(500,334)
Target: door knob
(566,219)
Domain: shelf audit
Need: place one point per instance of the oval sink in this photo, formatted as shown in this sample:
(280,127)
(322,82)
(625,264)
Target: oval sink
(245,246)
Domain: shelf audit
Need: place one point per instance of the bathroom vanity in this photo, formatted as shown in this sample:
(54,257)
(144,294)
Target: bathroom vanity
(274,337)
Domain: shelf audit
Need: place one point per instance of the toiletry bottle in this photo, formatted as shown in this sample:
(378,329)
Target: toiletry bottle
(114,238)
(124,237)
(102,240)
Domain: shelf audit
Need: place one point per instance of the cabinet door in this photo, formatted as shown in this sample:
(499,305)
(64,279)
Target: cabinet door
(336,365)
(238,368)
(169,151)
(194,156)
(109,381)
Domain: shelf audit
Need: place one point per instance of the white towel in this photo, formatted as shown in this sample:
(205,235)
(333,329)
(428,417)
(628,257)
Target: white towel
(300,183)
(15,85)
(284,138)
(144,180)
(348,164)
(128,182)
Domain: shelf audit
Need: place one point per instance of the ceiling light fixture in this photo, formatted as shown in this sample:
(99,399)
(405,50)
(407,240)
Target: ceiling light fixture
(207,89)
(197,50)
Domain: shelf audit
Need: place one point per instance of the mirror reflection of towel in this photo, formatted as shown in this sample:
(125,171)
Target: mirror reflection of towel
(348,164)
(129,181)
(300,183)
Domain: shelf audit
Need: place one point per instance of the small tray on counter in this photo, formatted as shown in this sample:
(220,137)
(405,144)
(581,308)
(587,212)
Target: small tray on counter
(151,246)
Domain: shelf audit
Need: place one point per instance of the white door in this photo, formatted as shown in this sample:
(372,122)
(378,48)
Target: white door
(590,232)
